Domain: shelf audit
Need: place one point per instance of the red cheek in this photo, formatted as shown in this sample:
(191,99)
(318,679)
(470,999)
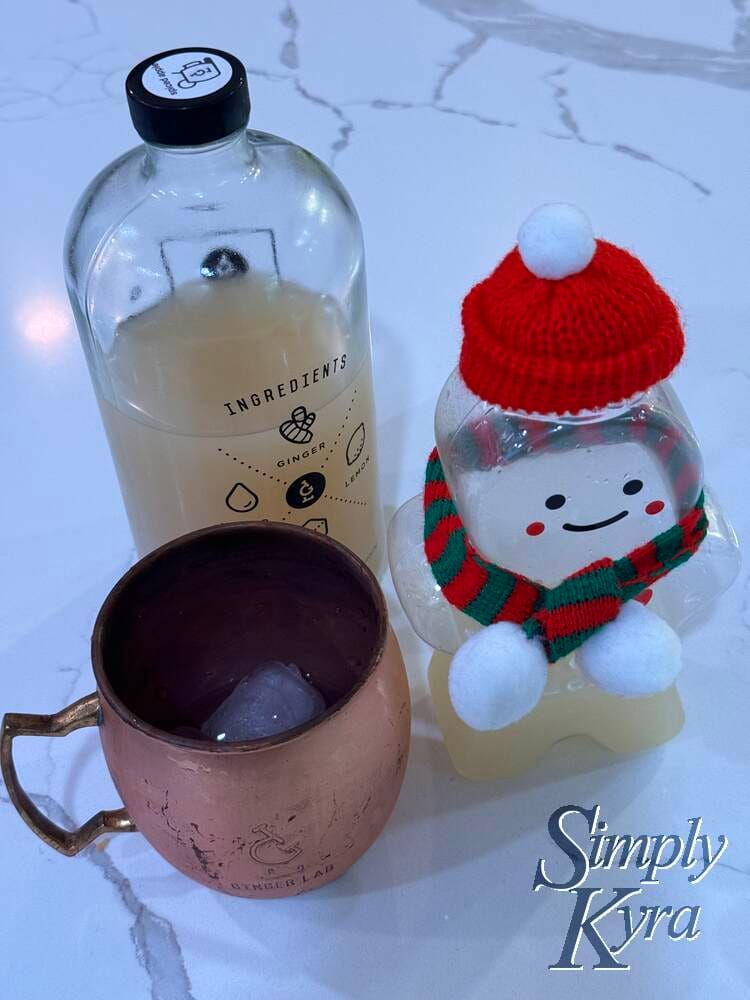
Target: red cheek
(655,507)
(535,528)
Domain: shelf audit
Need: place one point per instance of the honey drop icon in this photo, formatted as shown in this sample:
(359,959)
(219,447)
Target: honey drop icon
(241,499)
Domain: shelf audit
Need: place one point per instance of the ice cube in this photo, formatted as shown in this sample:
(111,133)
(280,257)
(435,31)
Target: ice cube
(273,698)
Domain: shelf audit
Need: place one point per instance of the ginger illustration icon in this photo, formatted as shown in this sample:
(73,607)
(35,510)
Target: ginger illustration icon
(297,428)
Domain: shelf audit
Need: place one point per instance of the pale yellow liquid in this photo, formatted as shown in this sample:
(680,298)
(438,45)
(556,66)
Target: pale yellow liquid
(188,453)
(569,707)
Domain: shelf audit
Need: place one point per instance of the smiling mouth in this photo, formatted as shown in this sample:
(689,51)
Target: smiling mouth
(599,524)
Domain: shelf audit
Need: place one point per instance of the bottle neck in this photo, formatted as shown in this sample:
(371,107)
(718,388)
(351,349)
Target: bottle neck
(175,167)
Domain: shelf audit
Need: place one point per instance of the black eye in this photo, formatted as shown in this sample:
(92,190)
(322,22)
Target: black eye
(632,486)
(555,501)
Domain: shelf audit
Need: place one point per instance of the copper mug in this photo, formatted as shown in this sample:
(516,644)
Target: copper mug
(264,818)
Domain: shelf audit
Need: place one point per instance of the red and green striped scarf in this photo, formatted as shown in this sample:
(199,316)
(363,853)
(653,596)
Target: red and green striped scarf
(563,617)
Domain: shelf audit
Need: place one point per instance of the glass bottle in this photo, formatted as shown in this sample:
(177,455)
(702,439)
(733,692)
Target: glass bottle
(217,279)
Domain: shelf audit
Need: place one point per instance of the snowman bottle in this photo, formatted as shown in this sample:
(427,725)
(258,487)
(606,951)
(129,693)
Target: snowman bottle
(565,534)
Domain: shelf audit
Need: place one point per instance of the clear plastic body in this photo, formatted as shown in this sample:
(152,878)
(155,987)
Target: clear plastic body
(220,296)
(544,497)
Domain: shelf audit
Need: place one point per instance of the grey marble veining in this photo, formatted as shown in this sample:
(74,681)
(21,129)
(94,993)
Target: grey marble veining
(156,946)
(525,24)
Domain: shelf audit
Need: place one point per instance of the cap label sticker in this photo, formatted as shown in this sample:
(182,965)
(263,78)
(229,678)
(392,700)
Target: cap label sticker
(185,75)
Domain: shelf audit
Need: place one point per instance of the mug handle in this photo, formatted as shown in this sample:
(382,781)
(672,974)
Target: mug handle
(82,713)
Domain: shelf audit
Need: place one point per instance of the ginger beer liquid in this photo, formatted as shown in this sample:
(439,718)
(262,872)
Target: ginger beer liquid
(264,364)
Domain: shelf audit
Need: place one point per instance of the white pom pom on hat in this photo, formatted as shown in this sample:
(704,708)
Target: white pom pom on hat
(555,241)
(497,677)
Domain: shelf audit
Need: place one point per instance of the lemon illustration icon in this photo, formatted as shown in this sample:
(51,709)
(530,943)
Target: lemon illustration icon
(356,444)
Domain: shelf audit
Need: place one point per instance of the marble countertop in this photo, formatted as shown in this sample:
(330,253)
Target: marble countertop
(448,120)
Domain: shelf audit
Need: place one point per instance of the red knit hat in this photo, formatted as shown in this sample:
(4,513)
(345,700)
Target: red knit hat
(566,322)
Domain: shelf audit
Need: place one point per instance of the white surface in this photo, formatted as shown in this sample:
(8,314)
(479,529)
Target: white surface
(449,121)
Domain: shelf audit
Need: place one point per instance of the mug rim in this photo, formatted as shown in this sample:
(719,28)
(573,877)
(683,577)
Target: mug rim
(356,567)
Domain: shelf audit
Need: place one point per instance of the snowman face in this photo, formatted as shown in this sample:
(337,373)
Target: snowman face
(549,514)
